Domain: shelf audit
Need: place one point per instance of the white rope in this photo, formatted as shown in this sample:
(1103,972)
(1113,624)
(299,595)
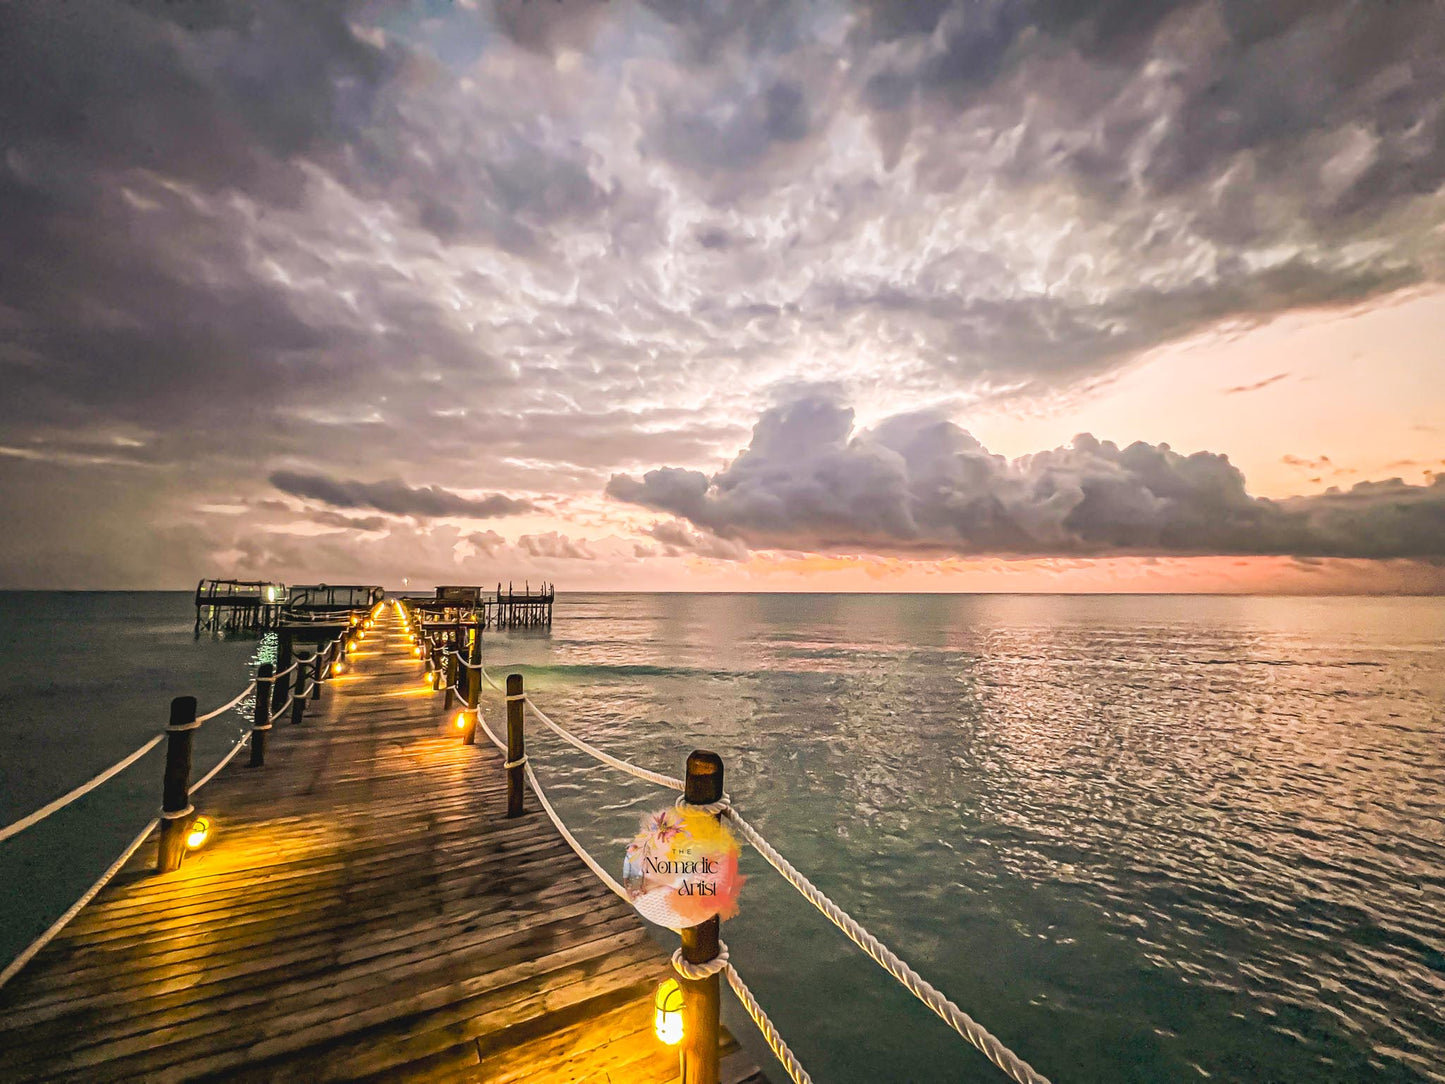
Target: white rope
(282,709)
(519,762)
(705,970)
(775,1042)
(581,852)
(13,967)
(722,805)
(1013,1066)
(247,691)
(85,788)
(240,743)
(283,673)
(607,758)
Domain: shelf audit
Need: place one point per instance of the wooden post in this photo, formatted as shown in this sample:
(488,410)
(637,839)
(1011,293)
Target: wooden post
(298,692)
(176,798)
(283,663)
(473,687)
(701,998)
(452,668)
(318,667)
(261,721)
(516,744)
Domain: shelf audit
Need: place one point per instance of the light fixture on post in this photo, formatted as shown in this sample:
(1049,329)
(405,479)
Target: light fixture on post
(198,833)
(667,1012)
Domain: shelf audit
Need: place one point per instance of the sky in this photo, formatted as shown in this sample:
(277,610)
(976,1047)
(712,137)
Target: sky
(982,295)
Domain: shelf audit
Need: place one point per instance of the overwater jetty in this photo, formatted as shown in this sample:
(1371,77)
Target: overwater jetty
(374,894)
(509,609)
(364,908)
(257,606)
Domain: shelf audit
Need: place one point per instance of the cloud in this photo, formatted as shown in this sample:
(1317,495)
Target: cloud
(544,243)
(1239,389)
(395,497)
(919,483)
(554,545)
(678,539)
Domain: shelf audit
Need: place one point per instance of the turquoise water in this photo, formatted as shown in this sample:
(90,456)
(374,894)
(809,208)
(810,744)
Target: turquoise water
(1140,839)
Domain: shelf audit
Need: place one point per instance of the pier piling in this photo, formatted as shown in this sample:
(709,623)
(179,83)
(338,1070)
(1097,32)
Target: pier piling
(261,719)
(700,944)
(516,744)
(176,798)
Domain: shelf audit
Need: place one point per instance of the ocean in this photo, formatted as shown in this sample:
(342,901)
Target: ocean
(1152,838)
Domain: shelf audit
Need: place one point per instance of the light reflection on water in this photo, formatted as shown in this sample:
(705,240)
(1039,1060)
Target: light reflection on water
(1141,839)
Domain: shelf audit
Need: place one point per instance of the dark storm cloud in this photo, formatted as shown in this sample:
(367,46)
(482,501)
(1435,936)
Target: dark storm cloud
(396,497)
(918,482)
(539,243)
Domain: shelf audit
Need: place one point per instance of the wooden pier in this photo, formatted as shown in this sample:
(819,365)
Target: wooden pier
(238,606)
(365,910)
(509,609)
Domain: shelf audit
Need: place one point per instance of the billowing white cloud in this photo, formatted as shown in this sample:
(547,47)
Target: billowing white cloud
(919,483)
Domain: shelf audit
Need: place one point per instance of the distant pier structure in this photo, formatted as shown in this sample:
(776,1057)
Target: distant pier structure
(509,609)
(238,605)
(256,606)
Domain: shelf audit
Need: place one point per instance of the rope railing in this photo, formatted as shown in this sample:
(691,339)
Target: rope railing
(775,1042)
(15,966)
(968,1028)
(660,778)
(241,743)
(759,1016)
(247,691)
(79,792)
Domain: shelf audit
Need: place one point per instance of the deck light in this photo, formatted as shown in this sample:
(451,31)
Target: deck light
(667,1017)
(461,720)
(337,667)
(200,831)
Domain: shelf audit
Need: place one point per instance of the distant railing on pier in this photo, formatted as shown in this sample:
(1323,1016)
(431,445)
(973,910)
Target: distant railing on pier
(456,674)
(272,696)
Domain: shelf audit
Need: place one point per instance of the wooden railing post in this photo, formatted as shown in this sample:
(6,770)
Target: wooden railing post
(516,744)
(318,668)
(298,692)
(283,663)
(473,687)
(261,720)
(176,796)
(701,998)
(452,669)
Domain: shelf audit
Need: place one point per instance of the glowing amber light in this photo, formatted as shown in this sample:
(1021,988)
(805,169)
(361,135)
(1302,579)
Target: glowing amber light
(200,830)
(667,1017)
(417,652)
(462,721)
(337,667)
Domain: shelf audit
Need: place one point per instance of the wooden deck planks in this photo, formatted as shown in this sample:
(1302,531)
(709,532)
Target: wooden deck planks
(364,911)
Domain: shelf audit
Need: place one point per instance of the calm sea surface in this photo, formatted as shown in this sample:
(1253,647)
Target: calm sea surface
(1140,839)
